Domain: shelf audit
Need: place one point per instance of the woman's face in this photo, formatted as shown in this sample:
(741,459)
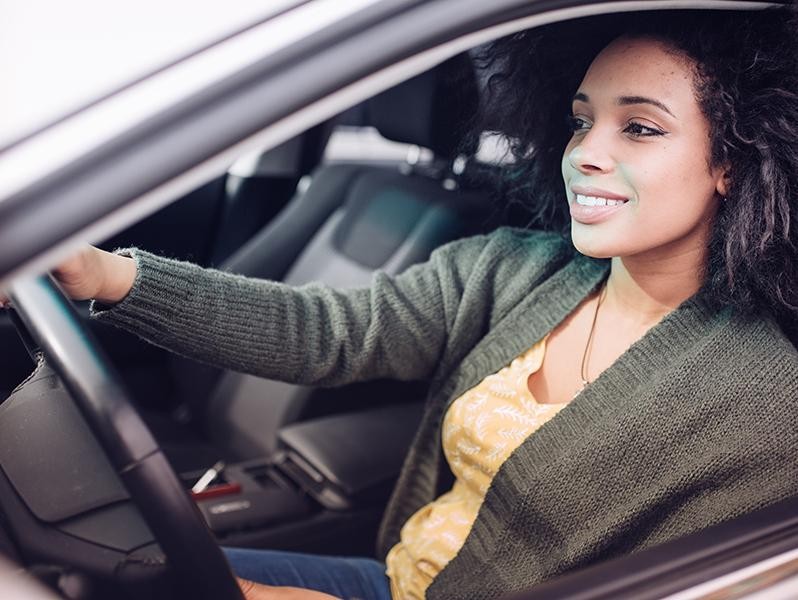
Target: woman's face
(636,170)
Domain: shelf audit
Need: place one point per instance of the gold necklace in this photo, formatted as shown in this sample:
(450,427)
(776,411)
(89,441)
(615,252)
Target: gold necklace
(586,353)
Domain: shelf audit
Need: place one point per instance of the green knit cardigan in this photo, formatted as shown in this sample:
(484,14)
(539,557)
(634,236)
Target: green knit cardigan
(694,424)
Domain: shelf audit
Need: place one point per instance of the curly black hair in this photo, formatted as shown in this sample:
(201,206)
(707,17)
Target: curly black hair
(746,83)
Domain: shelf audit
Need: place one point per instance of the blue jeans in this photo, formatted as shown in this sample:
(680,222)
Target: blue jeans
(349,578)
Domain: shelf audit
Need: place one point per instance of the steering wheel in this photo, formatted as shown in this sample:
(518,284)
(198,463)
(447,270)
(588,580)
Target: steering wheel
(50,321)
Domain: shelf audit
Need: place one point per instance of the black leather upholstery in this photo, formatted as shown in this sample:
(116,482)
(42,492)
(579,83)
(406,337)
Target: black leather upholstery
(270,253)
(344,459)
(421,110)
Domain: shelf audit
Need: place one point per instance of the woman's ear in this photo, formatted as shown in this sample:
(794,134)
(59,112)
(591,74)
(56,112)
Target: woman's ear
(723,181)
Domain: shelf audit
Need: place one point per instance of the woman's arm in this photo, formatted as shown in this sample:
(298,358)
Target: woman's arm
(313,334)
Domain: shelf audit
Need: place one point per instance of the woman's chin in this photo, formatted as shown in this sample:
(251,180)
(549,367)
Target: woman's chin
(594,246)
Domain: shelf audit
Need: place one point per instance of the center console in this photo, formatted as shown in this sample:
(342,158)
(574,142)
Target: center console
(323,491)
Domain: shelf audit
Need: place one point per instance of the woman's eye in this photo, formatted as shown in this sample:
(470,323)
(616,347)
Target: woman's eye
(576,124)
(639,130)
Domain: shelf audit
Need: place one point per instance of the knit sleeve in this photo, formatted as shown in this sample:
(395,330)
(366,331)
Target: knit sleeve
(397,327)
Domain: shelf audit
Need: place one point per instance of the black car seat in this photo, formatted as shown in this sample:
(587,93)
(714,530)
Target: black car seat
(352,220)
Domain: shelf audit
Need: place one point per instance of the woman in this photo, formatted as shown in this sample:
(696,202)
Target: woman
(587,407)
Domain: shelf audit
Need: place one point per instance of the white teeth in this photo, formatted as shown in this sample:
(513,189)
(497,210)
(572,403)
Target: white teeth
(596,201)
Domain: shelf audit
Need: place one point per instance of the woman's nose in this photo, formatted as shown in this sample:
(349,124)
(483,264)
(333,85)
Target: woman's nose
(590,155)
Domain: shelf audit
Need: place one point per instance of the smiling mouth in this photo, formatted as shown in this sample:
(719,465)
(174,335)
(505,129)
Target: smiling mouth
(591,210)
(583,200)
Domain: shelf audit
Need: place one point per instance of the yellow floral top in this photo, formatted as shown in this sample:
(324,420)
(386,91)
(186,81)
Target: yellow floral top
(480,431)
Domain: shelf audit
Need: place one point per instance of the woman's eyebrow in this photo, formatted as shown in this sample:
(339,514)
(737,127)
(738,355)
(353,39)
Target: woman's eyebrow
(627,100)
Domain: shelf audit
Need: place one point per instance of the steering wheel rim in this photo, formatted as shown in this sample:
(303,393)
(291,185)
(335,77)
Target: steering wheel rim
(198,563)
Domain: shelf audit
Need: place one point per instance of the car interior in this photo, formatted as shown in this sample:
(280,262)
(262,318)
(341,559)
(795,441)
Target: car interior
(296,468)
(270,464)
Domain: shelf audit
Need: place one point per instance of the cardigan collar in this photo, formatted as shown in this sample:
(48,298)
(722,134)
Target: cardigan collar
(541,310)
(548,304)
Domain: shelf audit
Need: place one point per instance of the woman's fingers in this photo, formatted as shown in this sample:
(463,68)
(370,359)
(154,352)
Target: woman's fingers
(248,588)
(259,591)
(93,273)
(81,276)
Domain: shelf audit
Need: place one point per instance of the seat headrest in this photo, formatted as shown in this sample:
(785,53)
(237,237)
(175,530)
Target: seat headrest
(433,110)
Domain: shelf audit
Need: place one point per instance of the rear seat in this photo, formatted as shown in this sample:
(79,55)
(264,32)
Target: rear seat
(352,220)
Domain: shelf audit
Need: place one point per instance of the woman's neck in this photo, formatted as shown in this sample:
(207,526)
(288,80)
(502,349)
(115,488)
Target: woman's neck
(645,289)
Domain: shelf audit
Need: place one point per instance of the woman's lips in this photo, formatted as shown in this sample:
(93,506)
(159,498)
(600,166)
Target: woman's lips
(591,214)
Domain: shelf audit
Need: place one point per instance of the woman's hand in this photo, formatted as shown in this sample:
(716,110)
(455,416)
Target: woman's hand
(258,591)
(94,273)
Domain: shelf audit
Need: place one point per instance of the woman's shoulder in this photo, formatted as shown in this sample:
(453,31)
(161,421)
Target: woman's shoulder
(760,335)
(761,358)
(531,239)
(509,243)
(502,266)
